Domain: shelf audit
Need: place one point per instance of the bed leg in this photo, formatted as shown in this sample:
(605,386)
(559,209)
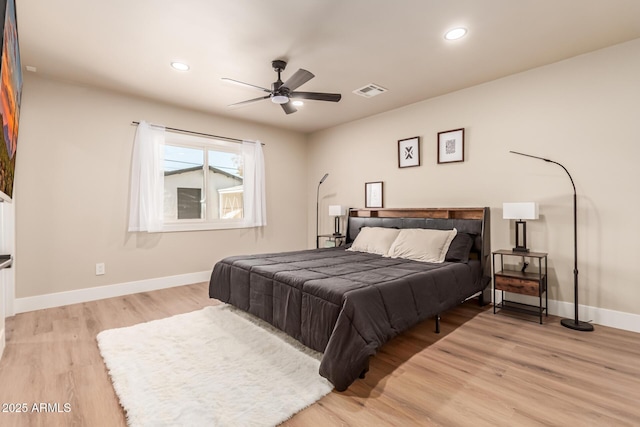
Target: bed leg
(365,370)
(485,297)
(437,323)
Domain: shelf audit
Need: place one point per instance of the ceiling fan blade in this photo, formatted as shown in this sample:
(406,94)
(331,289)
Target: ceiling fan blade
(245,84)
(248,101)
(317,96)
(298,78)
(288,107)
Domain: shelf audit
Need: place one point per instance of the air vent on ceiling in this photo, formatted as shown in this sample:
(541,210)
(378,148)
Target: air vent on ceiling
(370,90)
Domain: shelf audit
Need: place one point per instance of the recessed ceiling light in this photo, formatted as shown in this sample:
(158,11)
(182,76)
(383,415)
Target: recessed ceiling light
(455,34)
(180,66)
(298,103)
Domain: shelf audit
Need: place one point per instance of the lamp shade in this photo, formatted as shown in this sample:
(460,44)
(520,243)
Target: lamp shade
(524,210)
(336,210)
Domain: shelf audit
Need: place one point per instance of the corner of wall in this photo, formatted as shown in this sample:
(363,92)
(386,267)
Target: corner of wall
(2,341)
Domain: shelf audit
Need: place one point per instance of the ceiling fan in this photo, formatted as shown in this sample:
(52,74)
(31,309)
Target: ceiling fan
(282,93)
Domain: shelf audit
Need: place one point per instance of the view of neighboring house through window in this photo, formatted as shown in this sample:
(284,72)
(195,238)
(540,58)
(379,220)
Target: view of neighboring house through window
(203,180)
(189,203)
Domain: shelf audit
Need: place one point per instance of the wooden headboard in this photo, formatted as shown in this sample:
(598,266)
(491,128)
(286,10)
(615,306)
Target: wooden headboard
(475,221)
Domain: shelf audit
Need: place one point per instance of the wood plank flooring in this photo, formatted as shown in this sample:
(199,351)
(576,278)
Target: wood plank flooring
(482,369)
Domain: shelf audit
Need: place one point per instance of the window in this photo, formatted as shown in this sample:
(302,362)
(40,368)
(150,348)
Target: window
(203,183)
(185,182)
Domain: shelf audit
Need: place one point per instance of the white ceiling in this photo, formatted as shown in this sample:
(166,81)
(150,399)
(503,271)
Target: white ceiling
(127,45)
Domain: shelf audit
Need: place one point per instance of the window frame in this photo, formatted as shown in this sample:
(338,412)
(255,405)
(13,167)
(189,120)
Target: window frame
(206,144)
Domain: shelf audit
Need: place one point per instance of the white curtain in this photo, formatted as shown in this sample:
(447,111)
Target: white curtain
(147,179)
(255,206)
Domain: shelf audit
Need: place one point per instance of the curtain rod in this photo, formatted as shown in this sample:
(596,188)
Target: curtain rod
(226,138)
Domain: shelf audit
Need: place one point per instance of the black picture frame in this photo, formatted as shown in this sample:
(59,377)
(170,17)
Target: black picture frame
(373,194)
(451,146)
(409,152)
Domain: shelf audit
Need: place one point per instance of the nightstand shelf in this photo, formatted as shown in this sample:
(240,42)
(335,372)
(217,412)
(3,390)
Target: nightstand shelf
(521,282)
(331,241)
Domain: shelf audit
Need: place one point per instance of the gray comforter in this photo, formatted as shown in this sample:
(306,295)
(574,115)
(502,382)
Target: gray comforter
(344,304)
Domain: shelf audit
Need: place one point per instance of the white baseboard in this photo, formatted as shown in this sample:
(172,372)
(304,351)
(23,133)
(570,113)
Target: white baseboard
(595,315)
(586,313)
(599,316)
(58,299)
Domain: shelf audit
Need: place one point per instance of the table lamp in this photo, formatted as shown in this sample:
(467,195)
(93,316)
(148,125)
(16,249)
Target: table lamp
(337,211)
(520,212)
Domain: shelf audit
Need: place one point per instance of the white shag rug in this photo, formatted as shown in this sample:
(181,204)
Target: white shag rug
(214,367)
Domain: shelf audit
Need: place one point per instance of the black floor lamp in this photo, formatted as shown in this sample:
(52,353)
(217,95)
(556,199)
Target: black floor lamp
(318,211)
(570,323)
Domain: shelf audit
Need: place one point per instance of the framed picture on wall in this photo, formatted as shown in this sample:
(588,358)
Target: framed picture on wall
(11,95)
(409,152)
(451,146)
(373,195)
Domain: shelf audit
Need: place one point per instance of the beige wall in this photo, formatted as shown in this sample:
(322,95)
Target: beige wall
(71,194)
(75,147)
(582,112)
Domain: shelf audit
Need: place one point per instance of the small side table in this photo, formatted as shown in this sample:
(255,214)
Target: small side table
(521,282)
(338,240)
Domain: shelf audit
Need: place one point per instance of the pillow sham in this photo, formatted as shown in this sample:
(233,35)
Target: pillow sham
(422,244)
(374,240)
(460,248)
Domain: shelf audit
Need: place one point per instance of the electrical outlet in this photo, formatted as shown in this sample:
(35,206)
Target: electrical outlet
(100,269)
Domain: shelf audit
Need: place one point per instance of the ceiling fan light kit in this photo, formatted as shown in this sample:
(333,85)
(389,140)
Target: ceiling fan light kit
(279,99)
(283,92)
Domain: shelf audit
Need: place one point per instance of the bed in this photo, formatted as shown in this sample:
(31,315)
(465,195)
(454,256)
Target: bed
(346,303)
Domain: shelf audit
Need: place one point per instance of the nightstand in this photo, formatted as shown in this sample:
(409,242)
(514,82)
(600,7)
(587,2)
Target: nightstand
(522,282)
(332,240)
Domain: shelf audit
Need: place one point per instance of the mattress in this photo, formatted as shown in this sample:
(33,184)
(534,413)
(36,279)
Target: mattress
(342,303)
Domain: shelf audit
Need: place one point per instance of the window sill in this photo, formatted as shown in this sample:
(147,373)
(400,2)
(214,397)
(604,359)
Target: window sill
(202,226)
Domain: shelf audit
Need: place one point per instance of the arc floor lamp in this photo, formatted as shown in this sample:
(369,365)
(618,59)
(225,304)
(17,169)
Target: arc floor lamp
(570,323)
(318,210)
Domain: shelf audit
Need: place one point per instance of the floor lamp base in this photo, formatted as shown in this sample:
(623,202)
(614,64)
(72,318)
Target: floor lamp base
(577,325)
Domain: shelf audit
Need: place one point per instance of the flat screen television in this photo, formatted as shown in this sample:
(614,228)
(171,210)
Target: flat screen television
(10,96)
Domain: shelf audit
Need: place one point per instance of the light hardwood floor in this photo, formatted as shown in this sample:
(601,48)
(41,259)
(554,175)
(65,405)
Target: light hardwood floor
(482,369)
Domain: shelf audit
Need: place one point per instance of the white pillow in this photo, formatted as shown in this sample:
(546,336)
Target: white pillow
(422,244)
(374,240)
